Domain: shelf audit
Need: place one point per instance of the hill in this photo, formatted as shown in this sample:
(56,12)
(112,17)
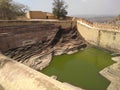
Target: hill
(115,20)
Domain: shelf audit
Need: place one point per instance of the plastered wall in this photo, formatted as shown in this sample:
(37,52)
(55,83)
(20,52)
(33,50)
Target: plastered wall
(102,35)
(110,40)
(36,15)
(89,34)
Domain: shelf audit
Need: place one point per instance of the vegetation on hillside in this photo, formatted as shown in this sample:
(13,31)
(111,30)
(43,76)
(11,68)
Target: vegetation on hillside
(115,20)
(11,10)
(59,9)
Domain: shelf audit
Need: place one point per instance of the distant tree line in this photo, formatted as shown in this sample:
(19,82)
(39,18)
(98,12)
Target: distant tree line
(11,10)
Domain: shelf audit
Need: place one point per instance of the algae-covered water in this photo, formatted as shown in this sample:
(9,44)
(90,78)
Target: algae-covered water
(81,69)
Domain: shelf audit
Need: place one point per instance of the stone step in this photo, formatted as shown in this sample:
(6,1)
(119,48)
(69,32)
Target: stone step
(114,73)
(115,67)
(115,85)
(112,76)
(117,58)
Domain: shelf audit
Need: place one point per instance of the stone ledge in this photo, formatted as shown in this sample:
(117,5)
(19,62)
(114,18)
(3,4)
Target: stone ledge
(16,76)
(112,73)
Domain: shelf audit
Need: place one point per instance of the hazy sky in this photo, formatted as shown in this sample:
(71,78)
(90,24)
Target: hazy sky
(78,7)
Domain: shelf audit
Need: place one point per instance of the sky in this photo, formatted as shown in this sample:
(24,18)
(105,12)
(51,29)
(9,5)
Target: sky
(77,7)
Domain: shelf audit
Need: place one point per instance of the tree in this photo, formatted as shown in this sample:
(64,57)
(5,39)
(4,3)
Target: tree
(59,9)
(10,9)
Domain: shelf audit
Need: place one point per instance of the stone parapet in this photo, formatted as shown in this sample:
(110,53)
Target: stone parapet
(101,26)
(102,35)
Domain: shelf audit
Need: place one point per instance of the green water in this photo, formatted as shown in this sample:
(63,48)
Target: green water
(81,69)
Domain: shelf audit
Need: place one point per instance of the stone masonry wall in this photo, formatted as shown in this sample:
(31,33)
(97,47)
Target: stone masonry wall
(99,25)
(64,23)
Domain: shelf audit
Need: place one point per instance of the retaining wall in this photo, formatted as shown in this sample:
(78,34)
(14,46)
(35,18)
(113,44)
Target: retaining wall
(102,35)
(63,23)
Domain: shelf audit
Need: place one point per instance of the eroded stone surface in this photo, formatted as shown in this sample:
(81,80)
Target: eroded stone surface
(45,41)
(112,73)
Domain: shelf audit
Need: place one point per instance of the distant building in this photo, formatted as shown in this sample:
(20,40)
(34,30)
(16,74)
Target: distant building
(50,16)
(39,15)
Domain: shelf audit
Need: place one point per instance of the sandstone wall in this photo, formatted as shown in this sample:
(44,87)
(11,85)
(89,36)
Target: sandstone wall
(36,15)
(64,23)
(103,35)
